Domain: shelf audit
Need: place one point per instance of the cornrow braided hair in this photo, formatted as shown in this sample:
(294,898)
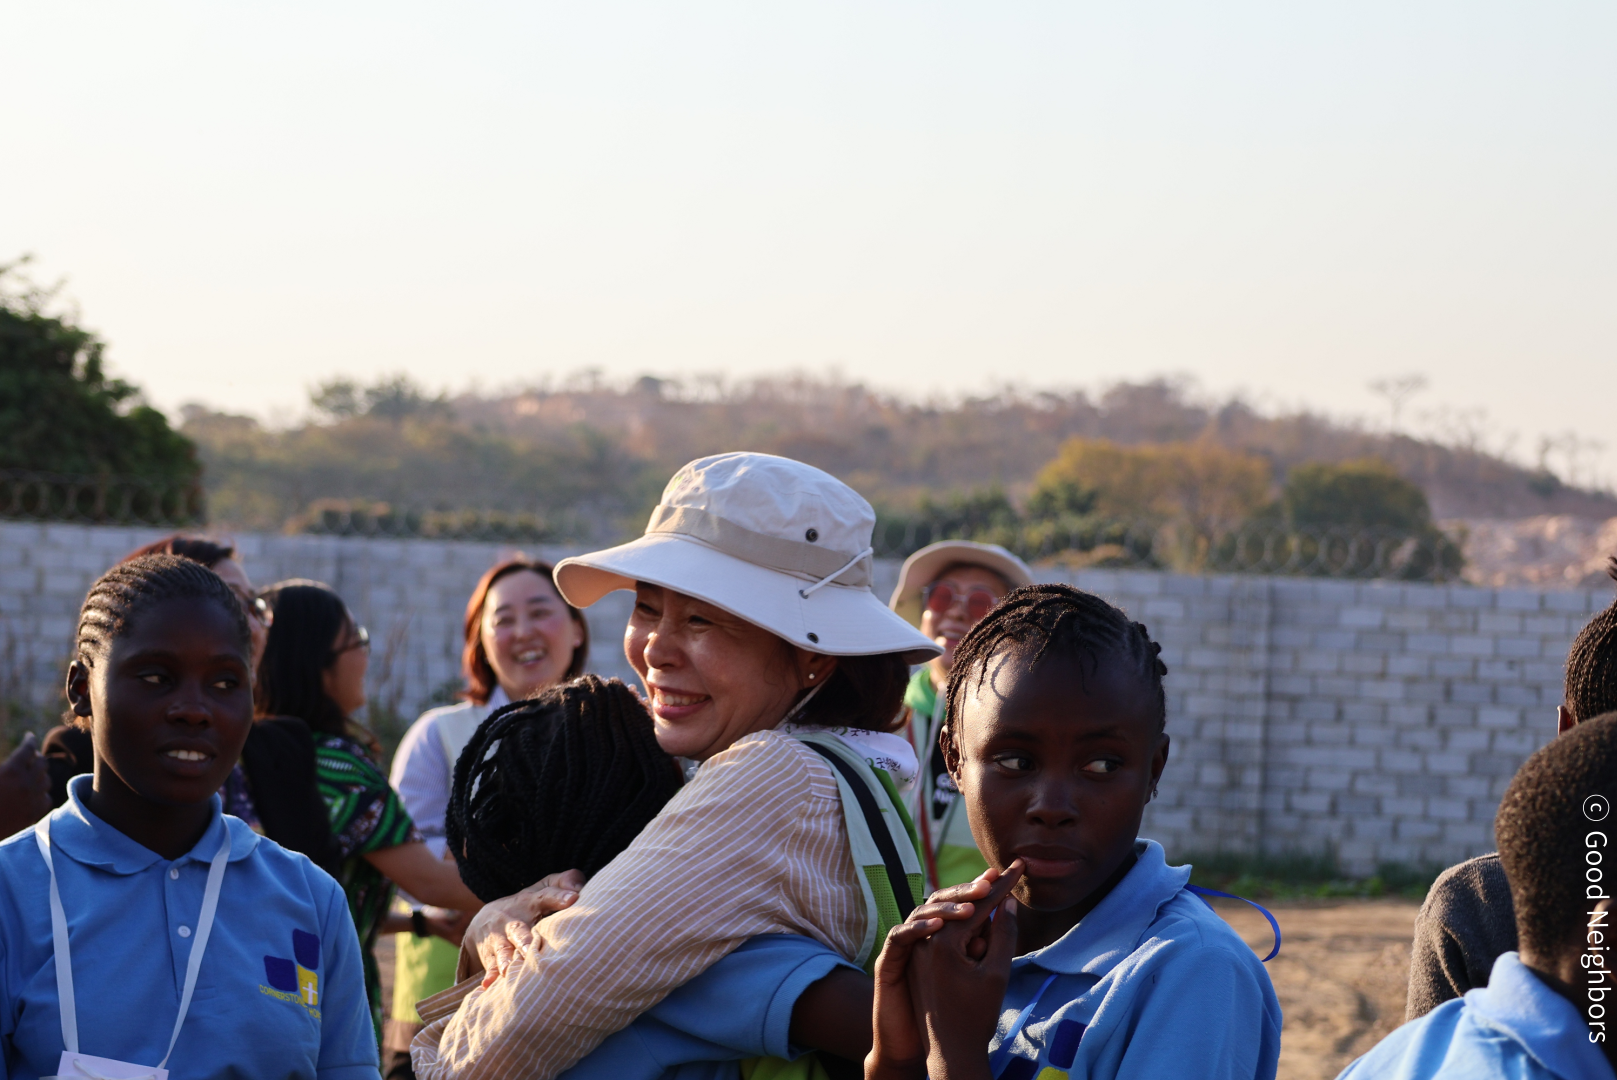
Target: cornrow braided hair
(129,588)
(558,782)
(1058,619)
(1591,665)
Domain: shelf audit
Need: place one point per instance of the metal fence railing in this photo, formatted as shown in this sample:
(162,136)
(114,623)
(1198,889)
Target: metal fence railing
(99,500)
(1252,547)
(1248,548)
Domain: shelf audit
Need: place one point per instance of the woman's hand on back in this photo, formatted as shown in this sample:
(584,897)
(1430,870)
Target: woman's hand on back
(502,931)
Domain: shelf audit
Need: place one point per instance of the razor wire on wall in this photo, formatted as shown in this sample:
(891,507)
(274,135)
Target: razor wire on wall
(1263,547)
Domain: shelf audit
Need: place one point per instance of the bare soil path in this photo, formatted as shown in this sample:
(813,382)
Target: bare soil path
(1341,976)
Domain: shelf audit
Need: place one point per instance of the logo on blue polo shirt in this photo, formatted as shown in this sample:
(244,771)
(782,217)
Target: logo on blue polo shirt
(1063,1048)
(296,980)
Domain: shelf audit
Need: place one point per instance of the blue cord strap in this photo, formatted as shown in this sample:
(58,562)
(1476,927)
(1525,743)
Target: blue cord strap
(1001,1057)
(1205,893)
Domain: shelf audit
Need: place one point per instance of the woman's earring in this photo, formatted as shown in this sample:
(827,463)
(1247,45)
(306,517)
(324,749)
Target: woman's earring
(1153,792)
(811,676)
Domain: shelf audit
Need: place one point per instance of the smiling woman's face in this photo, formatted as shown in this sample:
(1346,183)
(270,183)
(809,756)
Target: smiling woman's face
(529,636)
(711,676)
(170,703)
(1055,764)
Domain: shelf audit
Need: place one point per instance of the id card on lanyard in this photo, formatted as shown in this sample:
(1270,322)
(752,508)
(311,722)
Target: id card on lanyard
(74,1065)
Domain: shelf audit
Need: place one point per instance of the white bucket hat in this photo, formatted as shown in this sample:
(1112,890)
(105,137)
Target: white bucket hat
(923,567)
(768,539)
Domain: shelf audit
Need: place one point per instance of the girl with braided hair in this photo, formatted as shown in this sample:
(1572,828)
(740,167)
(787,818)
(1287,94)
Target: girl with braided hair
(141,927)
(1101,962)
(565,782)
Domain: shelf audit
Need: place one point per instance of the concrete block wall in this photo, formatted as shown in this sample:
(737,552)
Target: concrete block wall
(1378,720)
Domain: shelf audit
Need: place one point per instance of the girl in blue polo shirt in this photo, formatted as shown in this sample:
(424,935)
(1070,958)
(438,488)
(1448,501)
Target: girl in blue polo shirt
(1099,962)
(144,933)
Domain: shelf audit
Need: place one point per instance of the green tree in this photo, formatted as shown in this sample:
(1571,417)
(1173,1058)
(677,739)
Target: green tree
(61,413)
(1360,518)
(1361,494)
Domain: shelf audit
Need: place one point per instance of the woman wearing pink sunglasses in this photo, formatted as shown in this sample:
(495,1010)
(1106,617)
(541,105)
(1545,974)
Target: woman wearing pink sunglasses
(954,583)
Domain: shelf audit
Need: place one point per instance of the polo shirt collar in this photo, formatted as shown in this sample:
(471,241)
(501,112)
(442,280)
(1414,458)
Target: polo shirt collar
(1546,1024)
(1117,924)
(88,840)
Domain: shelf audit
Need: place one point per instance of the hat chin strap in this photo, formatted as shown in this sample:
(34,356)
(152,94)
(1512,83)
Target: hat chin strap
(802,702)
(833,575)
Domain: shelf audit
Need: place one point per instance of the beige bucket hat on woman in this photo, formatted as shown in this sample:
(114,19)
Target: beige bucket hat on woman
(768,539)
(923,567)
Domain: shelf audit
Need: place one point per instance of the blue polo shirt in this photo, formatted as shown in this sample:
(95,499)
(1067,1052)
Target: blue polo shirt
(1149,984)
(281,992)
(1516,1027)
(739,1008)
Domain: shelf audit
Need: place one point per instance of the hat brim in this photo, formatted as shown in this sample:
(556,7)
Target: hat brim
(923,567)
(844,620)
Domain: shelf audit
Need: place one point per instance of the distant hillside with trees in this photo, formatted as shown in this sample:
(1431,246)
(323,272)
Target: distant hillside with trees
(587,460)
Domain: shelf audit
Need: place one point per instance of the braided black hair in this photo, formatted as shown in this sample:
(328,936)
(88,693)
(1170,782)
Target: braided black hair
(562,781)
(1056,619)
(119,596)
(1541,827)
(1591,665)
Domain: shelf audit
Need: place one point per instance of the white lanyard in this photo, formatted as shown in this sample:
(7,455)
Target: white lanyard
(921,803)
(64,965)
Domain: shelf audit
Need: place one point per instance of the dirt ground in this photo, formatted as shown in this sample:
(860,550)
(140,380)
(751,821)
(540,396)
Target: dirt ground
(1341,976)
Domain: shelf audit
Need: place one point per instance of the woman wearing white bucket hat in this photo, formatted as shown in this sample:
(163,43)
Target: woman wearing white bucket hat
(953,584)
(767,659)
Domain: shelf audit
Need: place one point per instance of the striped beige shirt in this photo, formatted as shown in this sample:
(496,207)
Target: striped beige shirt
(755,844)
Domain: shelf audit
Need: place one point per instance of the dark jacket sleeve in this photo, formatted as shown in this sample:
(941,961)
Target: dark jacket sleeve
(1465,923)
(68,751)
(280,764)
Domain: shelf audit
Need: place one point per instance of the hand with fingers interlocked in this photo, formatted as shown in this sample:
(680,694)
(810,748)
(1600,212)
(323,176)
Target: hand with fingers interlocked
(937,970)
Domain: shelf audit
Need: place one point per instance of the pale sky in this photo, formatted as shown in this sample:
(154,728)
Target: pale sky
(1286,199)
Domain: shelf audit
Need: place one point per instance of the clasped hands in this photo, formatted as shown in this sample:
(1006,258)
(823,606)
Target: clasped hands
(503,931)
(940,980)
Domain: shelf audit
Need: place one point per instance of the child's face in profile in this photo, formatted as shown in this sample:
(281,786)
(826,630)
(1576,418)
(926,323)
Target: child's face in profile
(1055,764)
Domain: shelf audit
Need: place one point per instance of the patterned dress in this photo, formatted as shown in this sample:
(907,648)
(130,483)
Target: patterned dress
(366,816)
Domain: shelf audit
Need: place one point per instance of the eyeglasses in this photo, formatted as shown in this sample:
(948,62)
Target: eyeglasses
(362,640)
(256,607)
(940,596)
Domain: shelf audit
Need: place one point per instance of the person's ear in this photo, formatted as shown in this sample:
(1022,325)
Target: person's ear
(951,751)
(1564,720)
(814,669)
(78,688)
(1159,761)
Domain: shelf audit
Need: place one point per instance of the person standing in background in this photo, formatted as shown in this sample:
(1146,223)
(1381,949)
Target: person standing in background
(954,583)
(314,668)
(520,638)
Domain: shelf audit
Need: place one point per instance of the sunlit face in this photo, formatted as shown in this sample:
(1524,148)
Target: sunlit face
(169,703)
(257,612)
(1055,764)
(344,677)
(947,628)
(711,676)
(528,634)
